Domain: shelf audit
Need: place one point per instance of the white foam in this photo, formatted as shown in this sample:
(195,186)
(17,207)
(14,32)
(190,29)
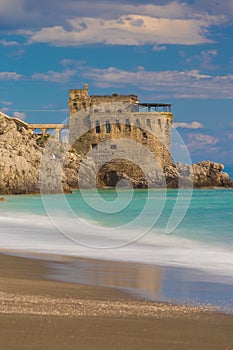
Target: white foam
(34,233)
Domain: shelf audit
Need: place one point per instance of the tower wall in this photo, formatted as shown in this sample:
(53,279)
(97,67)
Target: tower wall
(95,119)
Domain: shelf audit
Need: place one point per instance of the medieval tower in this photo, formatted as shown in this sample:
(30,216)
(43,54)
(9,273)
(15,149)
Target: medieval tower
(98,123)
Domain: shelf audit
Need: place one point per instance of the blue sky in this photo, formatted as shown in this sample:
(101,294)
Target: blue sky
(165,51)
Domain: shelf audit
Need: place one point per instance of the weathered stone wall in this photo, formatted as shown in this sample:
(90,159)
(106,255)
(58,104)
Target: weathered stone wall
(95,120)
(159,147)
(80,100)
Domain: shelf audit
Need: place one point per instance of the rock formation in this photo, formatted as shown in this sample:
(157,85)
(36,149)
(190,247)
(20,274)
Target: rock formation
(203,174)
(20,160)
(22,170)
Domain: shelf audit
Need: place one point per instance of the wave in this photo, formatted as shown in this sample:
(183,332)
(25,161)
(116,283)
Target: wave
(31,233)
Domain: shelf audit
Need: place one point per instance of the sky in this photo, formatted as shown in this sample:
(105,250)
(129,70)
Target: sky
(179,52)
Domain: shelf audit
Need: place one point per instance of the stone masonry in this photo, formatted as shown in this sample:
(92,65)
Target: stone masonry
(101,125)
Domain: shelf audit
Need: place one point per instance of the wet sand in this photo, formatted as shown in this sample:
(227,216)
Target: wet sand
(39,313)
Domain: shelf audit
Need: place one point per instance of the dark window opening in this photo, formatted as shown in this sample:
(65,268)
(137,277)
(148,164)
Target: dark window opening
(159,122)
(96,111)
(144,135)
(75,105)
(113,146)
(127,125)
(97,127)
(108,127)
(107,111)
(94,146)
(119,110)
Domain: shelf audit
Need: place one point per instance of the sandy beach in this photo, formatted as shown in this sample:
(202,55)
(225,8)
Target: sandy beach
(39,313)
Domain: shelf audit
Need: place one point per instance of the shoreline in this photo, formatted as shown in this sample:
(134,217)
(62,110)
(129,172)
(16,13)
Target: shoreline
(39,313)
(113,189)
(141,280)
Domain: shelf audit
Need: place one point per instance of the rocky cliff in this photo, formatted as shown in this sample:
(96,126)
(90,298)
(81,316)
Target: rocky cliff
(20,161)
(203,174)
(21,157)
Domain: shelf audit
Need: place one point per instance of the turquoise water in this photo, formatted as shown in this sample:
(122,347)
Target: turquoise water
(190,244)
(125,228)
(208,218)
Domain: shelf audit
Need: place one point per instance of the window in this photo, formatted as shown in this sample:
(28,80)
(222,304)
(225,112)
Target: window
(113,146)
(97,127)
(75,105)
(96,111)
(94,146)
(144,135)
(148,123)
(159,122)
(108,127)
(127,124)
(108,111)
(167,122)
(119,110)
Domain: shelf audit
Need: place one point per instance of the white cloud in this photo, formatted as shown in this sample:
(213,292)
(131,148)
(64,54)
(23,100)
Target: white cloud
(10,76)
(128,29)
(9,43)
(74,23)
(38,14)
(175,84)
(193,125)
(19,115)
(6,103)
(203,60)
(202,142)
(57,77)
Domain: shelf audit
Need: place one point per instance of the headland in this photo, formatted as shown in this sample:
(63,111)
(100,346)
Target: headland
(114,137)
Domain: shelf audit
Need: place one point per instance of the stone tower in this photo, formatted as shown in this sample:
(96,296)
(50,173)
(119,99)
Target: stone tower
(103,124)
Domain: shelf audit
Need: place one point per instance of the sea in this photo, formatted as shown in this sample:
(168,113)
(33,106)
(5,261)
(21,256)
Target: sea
(165,245)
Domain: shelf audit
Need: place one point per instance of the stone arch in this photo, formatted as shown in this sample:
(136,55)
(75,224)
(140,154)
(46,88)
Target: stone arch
(64,135)
(121,169)
(38,131)
(50,131)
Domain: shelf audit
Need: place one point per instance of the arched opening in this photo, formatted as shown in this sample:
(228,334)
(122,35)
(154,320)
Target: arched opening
(50,132)
(64,135)
(121,171)
(37,132)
